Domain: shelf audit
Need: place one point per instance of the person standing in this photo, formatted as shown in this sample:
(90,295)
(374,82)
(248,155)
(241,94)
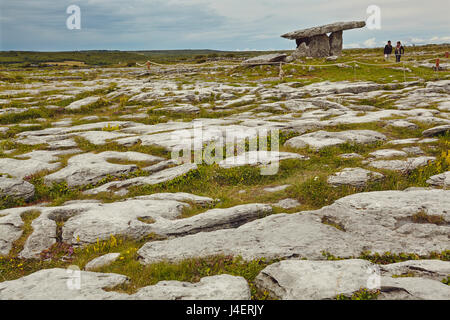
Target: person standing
(388,51)
(399,50)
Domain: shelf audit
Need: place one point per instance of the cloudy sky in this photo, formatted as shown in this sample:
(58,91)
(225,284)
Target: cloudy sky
(211,24)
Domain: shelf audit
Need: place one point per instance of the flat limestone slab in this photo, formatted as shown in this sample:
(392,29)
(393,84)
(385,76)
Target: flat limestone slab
(402,165)
(308,280)
(321,139)
(440,180)
(317,280)
(356,177)
(255,158)
(90,168)
(332,27)
(76,105)
(88,222)
(62,284)
(276,236)
(102,261)
(268,58)
(120,187)
(373,221)
(16,188)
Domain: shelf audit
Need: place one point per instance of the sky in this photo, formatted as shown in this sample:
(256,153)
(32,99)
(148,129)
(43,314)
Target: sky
(232,25)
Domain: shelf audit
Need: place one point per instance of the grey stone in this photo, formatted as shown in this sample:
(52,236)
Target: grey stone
(440,180)
(287,203)
(374,221)
(120,187)
(264,59)
(76,105)
(88,222)
(412,141)
(160,166)
(321,139)
(436,130)
(431,269)
(308,280)
(90,118)
(101,261)
(214,219)
(403,124)
(314,280)
(413,150)
(15,188)
(277,188)
(22,168)
(221,287)
(62,284)
(302,236)
(388,153)
(186,108)
(101,137)
(350,156)
(180,196)
(256,158)
(333,27)
(327,88)
(332,58)
(336,42)
(90,168)
(301,51)
(319,46)
(383,221)
(402,165)
(414,289)
(356,177)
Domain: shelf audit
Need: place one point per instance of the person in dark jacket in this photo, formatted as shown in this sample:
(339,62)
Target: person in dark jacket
(388,50)
(399,50)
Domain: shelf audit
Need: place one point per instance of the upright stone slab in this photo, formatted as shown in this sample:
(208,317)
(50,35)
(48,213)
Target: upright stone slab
(319,46)
(336,41)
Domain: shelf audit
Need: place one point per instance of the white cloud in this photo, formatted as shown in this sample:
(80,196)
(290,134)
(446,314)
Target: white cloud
(352,45)
(418,40)
(370,43)
(215,24)
(440,39)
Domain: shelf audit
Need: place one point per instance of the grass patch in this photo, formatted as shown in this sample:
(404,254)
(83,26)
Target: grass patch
(27,114)
(389,257)
(404,275)
(190,270)
(423,217)
(330,222)
(362,294)
(27,229)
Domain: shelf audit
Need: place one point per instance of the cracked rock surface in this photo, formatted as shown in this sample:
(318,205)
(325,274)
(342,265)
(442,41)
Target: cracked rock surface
(62,284)
(318,280)
(376,221)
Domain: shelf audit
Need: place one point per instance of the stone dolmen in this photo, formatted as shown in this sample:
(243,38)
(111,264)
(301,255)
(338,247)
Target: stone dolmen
(314,42)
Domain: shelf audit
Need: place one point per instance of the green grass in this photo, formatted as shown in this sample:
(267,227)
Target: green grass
(362,294)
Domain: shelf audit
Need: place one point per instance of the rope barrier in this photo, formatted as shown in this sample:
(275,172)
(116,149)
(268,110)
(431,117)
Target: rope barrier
(170,65)
(151,62)
(326,65)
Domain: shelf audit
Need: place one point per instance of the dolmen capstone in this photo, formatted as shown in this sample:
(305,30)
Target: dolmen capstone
(315,42)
